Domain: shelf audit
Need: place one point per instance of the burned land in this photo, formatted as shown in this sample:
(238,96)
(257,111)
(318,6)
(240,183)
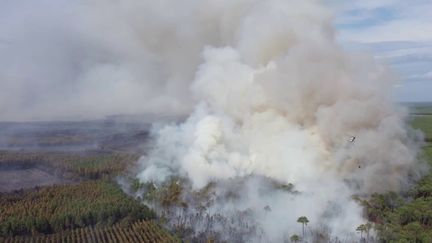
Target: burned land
(48,153)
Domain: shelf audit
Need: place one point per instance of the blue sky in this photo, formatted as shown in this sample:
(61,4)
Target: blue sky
(396,32)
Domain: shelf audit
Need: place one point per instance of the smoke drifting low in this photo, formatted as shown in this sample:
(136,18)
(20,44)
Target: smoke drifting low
(278,100)
(88,59)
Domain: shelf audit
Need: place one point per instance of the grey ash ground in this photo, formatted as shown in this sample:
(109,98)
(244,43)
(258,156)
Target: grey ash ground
(27,149)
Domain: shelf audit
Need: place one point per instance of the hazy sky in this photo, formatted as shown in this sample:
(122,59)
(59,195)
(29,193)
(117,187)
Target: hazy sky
(398,32)
(91,58)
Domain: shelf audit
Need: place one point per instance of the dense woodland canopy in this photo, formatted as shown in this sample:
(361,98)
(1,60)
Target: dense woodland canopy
(56,208)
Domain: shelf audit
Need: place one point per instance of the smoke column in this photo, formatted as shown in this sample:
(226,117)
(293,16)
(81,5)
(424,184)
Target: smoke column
(273,100)
(277,99)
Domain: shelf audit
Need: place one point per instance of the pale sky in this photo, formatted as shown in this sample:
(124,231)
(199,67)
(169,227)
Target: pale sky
(397,32)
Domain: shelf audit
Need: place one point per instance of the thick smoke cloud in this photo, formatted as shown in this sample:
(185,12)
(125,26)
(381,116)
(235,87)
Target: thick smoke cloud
(278,100)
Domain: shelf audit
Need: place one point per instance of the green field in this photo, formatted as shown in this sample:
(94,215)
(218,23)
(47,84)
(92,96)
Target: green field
(420,108)
(424,123)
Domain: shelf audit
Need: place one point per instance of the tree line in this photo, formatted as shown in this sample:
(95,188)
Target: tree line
(85,165)
(62,207)
(139,231)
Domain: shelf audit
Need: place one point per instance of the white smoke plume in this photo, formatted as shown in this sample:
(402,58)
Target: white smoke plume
(272,96)
(278,99)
